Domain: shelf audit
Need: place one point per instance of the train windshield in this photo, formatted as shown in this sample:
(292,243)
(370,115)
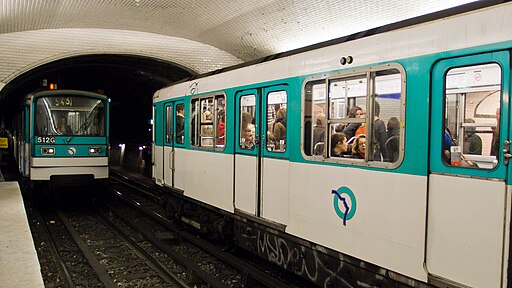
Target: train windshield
(69,115)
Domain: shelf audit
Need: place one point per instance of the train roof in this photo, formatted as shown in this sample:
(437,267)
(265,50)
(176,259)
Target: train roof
(65,92)
(477,23)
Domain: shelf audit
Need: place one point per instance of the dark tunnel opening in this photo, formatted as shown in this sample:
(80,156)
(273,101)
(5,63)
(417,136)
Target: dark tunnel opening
(129,81)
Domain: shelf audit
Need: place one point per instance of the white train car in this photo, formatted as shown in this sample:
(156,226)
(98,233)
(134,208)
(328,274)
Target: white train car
(254,150)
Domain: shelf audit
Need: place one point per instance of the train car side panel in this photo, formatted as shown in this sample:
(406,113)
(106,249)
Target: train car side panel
(275,187)
(209,177)
(384,225)
(246,185)
(459,243)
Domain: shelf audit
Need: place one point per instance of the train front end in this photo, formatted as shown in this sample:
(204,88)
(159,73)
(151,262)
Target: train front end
(69,137)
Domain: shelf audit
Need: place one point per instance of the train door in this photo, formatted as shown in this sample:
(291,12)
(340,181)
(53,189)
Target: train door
(174,136)
(156,155)
(247,152)
(261,169)
(468,199)
(275,171)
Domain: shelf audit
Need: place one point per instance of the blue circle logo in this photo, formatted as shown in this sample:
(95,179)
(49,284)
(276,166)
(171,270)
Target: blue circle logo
(344,209)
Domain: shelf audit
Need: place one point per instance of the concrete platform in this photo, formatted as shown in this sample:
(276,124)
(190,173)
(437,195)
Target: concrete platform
(19,265)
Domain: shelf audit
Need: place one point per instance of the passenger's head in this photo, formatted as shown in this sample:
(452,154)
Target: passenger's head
(376,108)
(222,115)
(320,119)
(359,147)
(180,109)
(249,138)
(63,120)
(339,140)
(246,119)
(355,111)
(470,129)
(281,114)
(393,124)
(361,113)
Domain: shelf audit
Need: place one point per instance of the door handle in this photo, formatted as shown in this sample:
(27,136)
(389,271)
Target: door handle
(171,160)
(506,152)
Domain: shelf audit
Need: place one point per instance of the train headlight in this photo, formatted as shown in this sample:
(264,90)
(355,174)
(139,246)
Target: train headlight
(94,150)
(47,150)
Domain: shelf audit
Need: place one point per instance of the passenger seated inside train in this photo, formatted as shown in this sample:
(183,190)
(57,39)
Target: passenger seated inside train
(472,142)
(339,145)
(247,139)
(452,154)
(359,147)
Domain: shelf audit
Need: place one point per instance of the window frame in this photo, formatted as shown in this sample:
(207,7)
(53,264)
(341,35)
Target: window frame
(281,150)
(199,99)
(370,74)
(460,108)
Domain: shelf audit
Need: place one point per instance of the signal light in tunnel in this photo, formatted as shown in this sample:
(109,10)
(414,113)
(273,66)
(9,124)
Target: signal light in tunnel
(53,86)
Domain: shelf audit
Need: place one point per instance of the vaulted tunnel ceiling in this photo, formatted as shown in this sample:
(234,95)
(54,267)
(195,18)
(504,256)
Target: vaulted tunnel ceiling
(143,45)
(196,34)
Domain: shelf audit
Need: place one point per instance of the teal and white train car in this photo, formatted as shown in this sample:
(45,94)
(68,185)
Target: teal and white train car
(62,137)
(431,208)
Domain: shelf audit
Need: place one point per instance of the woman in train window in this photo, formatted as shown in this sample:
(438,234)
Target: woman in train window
(359,148)
(339,145)
(64,128)
(278,133)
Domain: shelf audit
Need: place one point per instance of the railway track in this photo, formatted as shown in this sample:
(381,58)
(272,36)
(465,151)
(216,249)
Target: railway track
(89,243)
(125,241)
(216,261)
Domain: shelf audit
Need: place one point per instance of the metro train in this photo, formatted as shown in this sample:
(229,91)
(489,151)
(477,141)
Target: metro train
(428,206)
(61,137)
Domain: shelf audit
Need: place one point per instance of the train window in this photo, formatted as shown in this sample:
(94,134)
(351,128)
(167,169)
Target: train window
(388,123)
(247,121)
(208,112)
(220,102)
(472,116)
(180,123)
(69,115)
(170,125)
(346,121)
(276,121)
(336,117)
(314,118)
(194,139)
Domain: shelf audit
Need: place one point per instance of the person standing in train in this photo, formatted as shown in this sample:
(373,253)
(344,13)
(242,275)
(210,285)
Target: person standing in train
(379,135)
(221,128)
(180,124)
(350,129)
(495,147)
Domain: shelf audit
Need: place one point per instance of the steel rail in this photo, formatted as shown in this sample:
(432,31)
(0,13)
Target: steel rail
(190,265)
(247,269)
(102,274)
(157,265)
(68,279)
